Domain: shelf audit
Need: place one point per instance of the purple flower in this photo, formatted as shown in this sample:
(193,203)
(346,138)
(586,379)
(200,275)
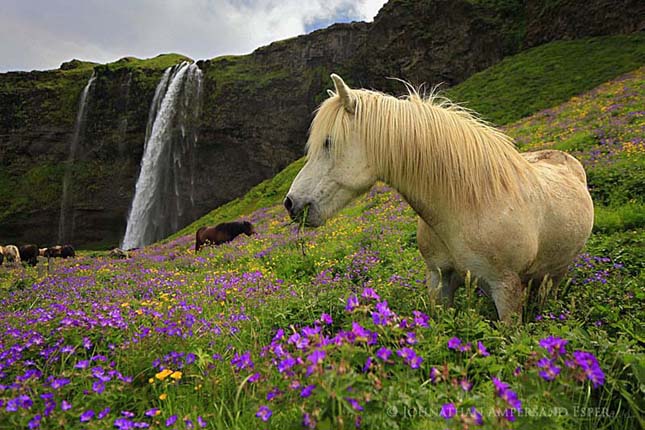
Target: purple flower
(65,405)
(98,387)
(242,361)
(434,374)
(369,293)
(368,364)
(171,420)
(555,345)
(59,383)
(34,423)
(550,370)
(87,343)
(83,364)
(352,303)
(448,410)
(509,396)
(410,338)
(316,357)
(454,343)
(286,364)
(410,357)
(123,423)
(384,353)
(308,421)
(264,413)
(306,392)
(103,413)
(420,319)
(509,416)
(382,314)
(25,401)
(465,384)
(87,416)
(275,392)
(477,417)
(201,422)
(481,349)
(354,404)
(152,412)
(589,365)
(326,319)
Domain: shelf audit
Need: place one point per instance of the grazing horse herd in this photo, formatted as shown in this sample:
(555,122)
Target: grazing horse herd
(29,253)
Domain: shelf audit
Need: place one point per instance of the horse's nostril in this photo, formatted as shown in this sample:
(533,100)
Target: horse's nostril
(288,204)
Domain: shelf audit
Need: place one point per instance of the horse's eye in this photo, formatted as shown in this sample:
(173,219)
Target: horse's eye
(327,144)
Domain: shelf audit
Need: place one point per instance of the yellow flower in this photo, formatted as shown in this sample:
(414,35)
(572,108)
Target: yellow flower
(163,374)
(163,396)
(198,387)
(176,375)
(151,380)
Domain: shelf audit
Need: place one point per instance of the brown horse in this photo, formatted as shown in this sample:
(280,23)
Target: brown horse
(221,233)
(29,254)
(67,251)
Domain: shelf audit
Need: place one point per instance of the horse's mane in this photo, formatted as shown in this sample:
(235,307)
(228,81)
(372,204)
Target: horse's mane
(426,142)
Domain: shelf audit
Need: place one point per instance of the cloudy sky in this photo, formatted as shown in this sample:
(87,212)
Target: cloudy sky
(41,34)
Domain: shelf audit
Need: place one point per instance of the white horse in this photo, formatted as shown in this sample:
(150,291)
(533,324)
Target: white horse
(483,207)
(11,253)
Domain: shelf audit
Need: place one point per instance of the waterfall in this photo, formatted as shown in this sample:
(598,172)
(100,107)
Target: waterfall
(165,183)
(65,230)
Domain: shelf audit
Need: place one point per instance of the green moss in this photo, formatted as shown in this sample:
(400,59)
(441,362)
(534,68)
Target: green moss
(548,75)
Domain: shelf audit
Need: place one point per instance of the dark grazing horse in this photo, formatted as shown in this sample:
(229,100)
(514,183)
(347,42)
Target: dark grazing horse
(67,251)
(221,233)
(29,254)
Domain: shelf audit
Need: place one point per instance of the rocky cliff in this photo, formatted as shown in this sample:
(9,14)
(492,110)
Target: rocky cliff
(256,108)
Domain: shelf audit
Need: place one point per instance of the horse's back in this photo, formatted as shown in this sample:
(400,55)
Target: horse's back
(557,159)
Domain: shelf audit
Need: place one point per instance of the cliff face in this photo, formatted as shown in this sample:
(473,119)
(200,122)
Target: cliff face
(256,108)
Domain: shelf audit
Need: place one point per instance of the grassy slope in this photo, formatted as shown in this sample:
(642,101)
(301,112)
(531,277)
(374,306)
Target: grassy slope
(548,75)
(519,86)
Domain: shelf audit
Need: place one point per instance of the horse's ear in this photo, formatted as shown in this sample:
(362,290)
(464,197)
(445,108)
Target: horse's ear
(345,93)
(331,93)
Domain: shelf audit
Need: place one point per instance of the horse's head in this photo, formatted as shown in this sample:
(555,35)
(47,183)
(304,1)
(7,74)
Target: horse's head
(337,168)
(248,228)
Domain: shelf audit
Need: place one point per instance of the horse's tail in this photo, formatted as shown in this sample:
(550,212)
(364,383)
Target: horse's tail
(197,241)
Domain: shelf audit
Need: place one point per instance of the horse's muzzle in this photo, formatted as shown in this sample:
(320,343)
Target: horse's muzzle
(300,212)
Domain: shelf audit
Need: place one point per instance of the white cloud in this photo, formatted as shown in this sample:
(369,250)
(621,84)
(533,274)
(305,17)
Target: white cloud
(41,34)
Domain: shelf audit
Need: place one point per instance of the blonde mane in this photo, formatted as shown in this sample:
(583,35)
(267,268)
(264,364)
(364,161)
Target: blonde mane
(428,143)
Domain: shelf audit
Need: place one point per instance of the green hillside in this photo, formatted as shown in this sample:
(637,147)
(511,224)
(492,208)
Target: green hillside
(334,327)
(517,87)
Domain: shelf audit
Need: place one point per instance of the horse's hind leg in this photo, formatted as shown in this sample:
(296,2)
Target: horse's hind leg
(508,296)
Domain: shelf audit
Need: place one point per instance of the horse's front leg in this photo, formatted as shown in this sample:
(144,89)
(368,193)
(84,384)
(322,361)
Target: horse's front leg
(508,295)
(440,277)
(443,284)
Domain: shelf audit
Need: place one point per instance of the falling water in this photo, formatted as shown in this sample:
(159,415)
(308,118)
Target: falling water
(63,227)
(165,179)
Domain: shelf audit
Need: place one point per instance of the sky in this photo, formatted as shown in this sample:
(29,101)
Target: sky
(42,34)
